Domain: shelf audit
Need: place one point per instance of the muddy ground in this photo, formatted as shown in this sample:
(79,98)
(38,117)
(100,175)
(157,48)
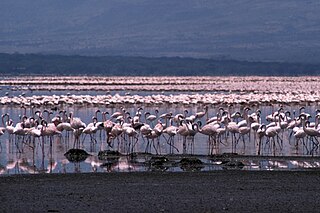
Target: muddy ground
(219,191)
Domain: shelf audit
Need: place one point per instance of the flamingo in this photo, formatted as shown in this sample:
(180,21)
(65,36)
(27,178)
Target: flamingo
(49,130)
(192,130)
(77,126)
(115,132)
(118,113)
(137,116)
(178,118)
(155,134)
(99,124)
(107,126)
(19,129)
(312,132)
(76,122)
(152,136)
(3,128)
(271,132)
(167,117)
(35,132)
(200,115)
(92,128)
(132,134)
(295,122)
(261,132)
(255,116)
(233,128)
(183,130)
(190,118)
(64,126)
(245,125)
(218,116)
(255,124)
(210,130)
(151,118)
(172,132)
(245,120)
(244,130)
(8,122)
(299,134)
(145,130)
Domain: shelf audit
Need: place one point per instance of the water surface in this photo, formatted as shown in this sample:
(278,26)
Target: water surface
(28,155)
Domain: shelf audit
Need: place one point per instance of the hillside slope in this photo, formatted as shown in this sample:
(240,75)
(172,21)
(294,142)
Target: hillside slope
(286,30)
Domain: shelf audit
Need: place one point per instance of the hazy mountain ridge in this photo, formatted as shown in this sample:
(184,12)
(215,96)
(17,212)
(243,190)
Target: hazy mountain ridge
(285,30)
(30,64)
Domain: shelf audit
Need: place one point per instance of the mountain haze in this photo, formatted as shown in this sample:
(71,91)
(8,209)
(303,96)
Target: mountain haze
(286,30)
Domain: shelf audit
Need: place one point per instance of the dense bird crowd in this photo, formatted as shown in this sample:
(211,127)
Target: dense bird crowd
(123,131)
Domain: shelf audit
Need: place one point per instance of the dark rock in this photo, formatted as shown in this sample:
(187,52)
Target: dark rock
(224,158)
(76,155)
(159,163)
(233,164)
(191,164)
(107,154)
(159,159)
(190,161)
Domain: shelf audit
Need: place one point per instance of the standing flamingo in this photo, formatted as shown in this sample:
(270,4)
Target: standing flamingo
(312,133)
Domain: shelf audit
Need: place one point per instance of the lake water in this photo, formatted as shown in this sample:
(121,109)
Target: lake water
(32,156)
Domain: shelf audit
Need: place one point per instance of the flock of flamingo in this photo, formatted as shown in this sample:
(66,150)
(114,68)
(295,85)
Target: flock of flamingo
(220,113)
(124,131)
(232,84)
(186,90)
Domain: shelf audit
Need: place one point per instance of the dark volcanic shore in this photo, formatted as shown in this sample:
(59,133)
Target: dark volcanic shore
(220,191)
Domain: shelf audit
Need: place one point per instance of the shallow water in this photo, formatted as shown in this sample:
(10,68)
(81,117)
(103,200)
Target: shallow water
(16,91)
(27,155)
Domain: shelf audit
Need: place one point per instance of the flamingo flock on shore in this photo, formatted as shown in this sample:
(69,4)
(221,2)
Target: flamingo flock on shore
(157,90)
(124,131)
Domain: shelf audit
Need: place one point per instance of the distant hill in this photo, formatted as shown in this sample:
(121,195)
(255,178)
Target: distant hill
(35,64)
(273,30)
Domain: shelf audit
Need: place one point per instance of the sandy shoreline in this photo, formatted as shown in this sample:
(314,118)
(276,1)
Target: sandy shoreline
(219,191)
